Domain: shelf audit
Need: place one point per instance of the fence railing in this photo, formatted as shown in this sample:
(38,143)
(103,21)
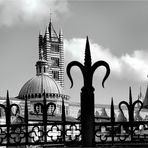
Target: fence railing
(121,133)
(109,132)
(35,134)
(16,129)
(47,132)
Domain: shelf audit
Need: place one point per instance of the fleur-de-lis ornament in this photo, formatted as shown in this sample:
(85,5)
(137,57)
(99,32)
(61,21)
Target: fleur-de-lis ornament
(88,69)
(130,106)
(87,95)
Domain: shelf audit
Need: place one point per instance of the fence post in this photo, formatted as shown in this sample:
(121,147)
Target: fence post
(87,94)
(131,112)
(45,116)
(26,119)
(130,106)
(63,119)
(8,116)
(112,120)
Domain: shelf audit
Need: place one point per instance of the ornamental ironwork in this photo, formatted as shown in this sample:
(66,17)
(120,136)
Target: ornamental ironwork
(87,94)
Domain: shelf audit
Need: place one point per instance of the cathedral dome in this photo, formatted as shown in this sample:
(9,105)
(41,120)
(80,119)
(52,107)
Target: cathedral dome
(36,86)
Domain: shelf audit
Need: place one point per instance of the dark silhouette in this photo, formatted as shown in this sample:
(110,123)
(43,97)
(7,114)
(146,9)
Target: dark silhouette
(87,94)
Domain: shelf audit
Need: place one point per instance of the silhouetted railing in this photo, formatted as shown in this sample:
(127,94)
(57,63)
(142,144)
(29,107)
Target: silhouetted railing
(87,94)
(106,131)
(20,130)
(131,132)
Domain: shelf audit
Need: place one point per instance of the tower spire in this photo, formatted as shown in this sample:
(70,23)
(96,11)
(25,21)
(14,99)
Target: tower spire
(40,44)
(51,44)
(50,15)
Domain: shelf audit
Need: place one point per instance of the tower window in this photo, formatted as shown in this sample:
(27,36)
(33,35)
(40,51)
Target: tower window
(55,47)
(55,62)
(55,75)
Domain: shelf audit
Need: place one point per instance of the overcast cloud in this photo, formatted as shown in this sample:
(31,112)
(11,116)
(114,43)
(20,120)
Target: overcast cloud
(29,11)
(129,66)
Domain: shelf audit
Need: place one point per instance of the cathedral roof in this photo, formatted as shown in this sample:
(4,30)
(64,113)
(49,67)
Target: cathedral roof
(103,113)
(121,117)
(52,33)
(38,84)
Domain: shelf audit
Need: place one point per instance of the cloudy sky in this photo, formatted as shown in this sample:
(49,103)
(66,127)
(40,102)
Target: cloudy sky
(118,34)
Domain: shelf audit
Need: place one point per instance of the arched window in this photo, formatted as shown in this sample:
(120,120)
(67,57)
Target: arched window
(51,108)
(38,108)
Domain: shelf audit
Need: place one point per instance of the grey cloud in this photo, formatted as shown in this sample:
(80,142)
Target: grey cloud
(128,66)
(29,11)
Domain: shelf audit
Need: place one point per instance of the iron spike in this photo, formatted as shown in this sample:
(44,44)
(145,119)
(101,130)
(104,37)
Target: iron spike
(8,111)
(87,59)
(63,110)
(7,99)
(112,111)
(26,111)
(130,96)
(44,108)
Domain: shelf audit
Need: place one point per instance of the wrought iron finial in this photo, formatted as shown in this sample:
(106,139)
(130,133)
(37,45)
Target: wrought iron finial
(86,69)
(112,111)
(7,100)
(87,59)
(130,96)
(8,110)
(69,66)
(130,106)
(87,94)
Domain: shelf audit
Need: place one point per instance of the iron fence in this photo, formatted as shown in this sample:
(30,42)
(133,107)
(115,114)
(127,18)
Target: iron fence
(69,133)
(23,131)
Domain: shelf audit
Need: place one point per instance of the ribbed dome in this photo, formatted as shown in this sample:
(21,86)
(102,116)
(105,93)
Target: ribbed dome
(38,84)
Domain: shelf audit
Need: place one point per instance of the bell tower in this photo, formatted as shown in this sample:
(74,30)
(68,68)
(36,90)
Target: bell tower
(53,52)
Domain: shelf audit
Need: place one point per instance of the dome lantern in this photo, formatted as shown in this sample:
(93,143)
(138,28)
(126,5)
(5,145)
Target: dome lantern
(41,65)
